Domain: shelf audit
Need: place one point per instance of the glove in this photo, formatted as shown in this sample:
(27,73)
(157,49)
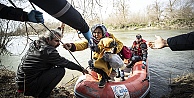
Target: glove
(87,35)
(35,16)
(144,62)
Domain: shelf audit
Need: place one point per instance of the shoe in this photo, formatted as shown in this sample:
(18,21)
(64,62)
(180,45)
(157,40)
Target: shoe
(122,78)
(102,83)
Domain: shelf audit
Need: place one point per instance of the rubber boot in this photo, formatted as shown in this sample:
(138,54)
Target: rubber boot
(102,81)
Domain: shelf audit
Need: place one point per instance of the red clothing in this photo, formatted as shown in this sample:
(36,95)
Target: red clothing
(136,47)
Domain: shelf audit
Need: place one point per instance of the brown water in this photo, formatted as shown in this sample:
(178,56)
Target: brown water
(163,64)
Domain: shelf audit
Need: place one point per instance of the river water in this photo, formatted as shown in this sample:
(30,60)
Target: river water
(163,64)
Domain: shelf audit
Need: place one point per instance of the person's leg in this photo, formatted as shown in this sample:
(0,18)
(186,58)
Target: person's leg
(118,73)
(103,79)
(134,59)
(122,75)
(130,65)
(48,81)
(113,74)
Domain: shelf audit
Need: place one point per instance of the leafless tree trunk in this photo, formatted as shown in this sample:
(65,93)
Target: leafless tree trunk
(155,11)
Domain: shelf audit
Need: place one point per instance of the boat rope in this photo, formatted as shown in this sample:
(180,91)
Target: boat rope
(49,31)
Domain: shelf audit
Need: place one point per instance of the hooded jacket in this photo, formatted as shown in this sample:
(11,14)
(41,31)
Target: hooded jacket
(103,47)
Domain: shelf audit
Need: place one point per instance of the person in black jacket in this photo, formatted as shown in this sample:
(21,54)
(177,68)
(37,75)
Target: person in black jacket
(64,12)
(18,14)
(42,68)
(176,43)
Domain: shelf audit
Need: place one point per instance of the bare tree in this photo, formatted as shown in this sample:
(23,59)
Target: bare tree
(180,12)
(155,11)
(170,9)
(89,9)
(119,14)
(5,34)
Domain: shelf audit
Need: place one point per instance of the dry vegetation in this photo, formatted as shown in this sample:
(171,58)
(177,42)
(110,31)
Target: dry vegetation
(8,88)
(182,87)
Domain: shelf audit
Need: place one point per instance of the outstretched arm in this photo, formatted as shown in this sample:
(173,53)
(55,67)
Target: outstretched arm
(176,43)
(66,13)
(18,14)
(159,43)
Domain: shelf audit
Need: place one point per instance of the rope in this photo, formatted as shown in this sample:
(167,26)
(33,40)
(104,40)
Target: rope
(49,31)
(58,39)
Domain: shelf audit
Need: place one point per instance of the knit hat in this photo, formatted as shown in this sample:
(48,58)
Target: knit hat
(103,28)
(138,36)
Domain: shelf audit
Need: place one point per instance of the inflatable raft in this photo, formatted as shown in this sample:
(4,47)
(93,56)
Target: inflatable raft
(136,85)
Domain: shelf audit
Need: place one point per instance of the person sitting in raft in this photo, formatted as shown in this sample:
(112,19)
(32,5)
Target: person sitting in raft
(102,42)
(139,51)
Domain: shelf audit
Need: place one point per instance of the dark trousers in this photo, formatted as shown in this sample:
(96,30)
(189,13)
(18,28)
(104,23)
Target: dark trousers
(135,59)
(43,85)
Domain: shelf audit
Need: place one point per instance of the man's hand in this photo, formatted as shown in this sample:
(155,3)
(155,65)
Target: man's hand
(67,46)
(85,71)
(35,16)
(159,43)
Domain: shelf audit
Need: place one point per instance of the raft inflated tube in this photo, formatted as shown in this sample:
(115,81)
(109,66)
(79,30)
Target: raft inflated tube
(63,11)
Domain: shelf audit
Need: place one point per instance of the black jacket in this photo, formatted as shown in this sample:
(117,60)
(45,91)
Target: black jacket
(40,58)
(181,42)
(11,13)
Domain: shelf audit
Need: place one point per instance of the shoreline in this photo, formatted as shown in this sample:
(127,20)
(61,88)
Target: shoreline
(182,87)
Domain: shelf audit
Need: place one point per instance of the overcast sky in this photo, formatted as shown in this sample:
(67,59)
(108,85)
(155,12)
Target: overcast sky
(135,6)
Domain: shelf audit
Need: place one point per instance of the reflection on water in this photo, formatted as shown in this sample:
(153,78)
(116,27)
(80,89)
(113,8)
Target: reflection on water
(163,63)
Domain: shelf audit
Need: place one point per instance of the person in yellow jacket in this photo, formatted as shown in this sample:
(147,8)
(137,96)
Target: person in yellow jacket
(102,42)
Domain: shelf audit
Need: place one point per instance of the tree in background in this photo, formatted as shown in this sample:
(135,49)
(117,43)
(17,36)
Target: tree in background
(169,14)
(119,17)
(154,12)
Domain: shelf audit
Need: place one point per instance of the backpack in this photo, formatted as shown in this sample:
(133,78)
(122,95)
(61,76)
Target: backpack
(125,53)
